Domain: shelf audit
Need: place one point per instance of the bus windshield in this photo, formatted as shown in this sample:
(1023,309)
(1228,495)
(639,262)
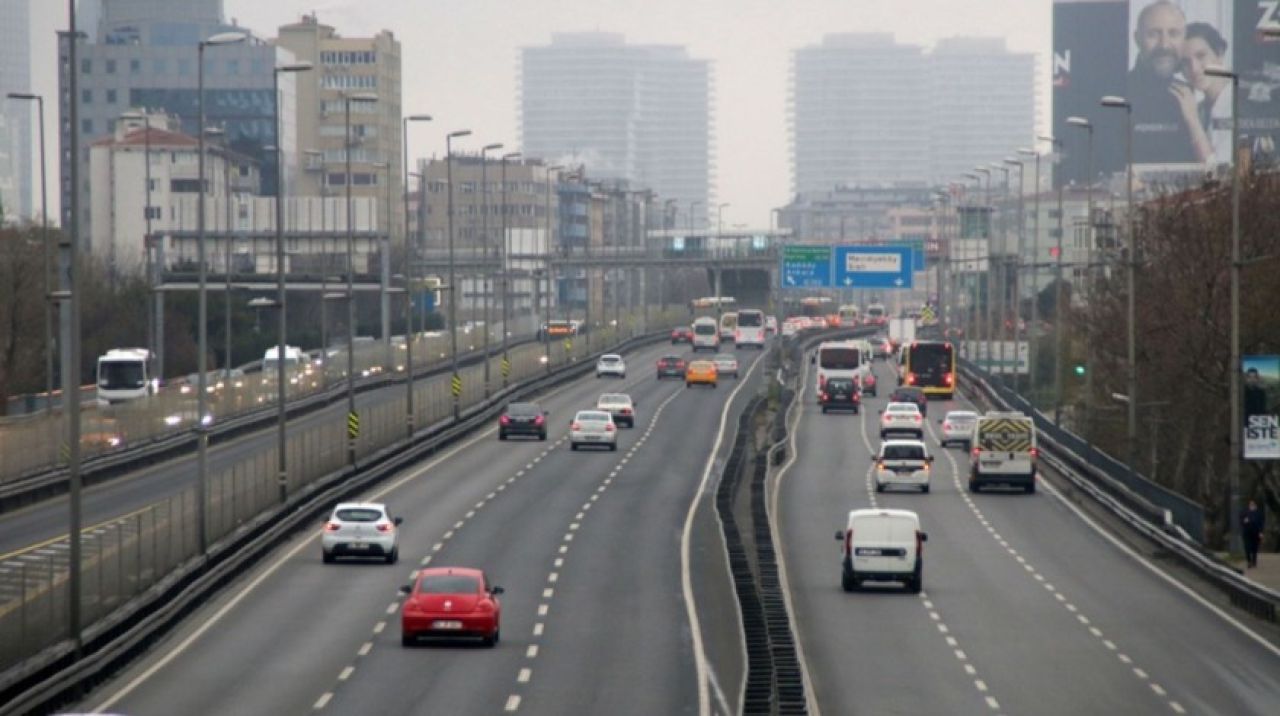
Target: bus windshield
(119,375)
(838,358)
(815,307)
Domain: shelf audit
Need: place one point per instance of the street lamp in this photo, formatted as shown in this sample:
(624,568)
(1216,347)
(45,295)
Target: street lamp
(1017,267)
(202,379)
(409,246)
(1233,369)
(1055,146)
(1130,274)
(506,279)
(348,145)
(1086,125)
(987,315)
(453,286)
(546,326)
(384,274)
(48,256)
(1035,276)
(485,281)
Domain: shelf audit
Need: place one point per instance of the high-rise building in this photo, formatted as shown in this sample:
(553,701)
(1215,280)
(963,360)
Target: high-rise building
(859,114)
(142,54)
(341,66)
(635,112)
(869,112)
(16,171)
(981,104)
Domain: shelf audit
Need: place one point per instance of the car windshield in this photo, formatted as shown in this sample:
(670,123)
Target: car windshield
(670,359)
(961,417)
(841,384)
(726,358)
(838,358)
(592,416)
(705,329)
(359,514)
(610,359)
(903,408)
(523,409)
(614,399)
(903,452)
(448,584)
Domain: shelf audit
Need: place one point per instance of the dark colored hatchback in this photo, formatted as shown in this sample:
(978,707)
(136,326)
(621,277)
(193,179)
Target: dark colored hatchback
(840,394)
(523,419)
(671,367)
(907,394)
(681,334)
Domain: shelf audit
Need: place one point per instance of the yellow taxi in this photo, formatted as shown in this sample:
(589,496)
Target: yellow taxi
(701,372)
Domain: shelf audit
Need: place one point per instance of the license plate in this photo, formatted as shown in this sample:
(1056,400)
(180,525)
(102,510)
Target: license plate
(592,437)
(990,463)
(446,624)
(358,545)
(867,552)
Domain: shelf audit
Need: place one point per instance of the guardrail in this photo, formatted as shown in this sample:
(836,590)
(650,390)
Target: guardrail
(55,673)
(1135,510)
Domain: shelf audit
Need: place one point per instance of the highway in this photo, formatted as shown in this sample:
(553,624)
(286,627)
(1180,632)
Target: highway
(1026,608)
(588,546)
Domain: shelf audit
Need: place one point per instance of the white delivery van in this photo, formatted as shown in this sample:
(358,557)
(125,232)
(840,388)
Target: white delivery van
(706,335)
(750,330)
(881,545)
(1004,451)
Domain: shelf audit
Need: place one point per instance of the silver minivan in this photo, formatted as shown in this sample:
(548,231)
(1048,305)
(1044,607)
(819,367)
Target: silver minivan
(706,334)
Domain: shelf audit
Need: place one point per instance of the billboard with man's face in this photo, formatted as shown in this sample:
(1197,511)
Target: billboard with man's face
(1155,53)
(1261,406)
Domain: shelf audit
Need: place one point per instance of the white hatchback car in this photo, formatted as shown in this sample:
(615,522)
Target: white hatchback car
(903,462)
(882,546)
(957,428)
(620,406)
(361,529)
(611,364)
(593,427)
(902,418)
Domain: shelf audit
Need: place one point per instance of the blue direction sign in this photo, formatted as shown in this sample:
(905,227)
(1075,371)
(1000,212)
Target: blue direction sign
(806,267)
(886,267)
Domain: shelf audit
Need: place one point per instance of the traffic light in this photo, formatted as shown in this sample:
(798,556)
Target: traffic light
(1078,369)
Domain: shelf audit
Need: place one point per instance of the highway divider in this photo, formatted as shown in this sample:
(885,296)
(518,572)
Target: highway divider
(1153,521)
(57,674)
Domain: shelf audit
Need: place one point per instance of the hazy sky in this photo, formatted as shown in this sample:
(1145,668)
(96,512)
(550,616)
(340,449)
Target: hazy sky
(461,59)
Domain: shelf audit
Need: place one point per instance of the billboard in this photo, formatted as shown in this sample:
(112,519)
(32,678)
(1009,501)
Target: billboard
(1261,407)
(1154,53)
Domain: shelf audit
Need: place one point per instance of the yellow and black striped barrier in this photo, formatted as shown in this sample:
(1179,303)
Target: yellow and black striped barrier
(457,385)
(506,367)
(353,425)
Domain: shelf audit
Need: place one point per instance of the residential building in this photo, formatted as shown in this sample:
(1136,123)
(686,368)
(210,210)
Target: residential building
(981,104)
(143,54)
(635,112)
(16,170)
(859,114)
(345,66)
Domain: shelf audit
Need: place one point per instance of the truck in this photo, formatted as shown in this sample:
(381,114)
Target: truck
(901,330)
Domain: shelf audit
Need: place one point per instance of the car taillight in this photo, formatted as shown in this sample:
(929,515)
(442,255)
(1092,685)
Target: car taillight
(948,379)
(384,526)
(822,396)
(822,380)
(626,411)
(608,427)
(879,465)
(1034,453)
(484,605)
(870,380)
(505,420)
(917,418)
(946,426)
(680,364)
(911,378)
(977,451)
(737,336)
(848,542)
(539,420)
(332,527)
(919,543)
(575,426)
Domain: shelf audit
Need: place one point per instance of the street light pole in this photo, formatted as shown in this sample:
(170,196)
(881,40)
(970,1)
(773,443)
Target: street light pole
(48,255)
(348,145)
(1130,277)
(1233,368)
(998,266)
(989,318)
(1088,276)
(202,368)
(409,254)
(282,324)
(505,268)
(546,325)
(453,286)
(1017,268)
(1035,278)
(486,281)
(1055,145)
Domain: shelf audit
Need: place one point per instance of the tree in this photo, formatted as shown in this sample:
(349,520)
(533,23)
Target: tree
(21,313)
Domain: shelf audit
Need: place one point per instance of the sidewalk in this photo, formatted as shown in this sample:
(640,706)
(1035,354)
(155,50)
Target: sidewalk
(1267,573)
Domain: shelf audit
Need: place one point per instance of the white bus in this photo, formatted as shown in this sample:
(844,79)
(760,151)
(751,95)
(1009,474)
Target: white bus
(126,374)
(840,359)
(750,330)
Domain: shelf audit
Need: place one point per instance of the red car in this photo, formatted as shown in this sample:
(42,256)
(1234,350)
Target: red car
(681,334)
(451,602)
(670,367)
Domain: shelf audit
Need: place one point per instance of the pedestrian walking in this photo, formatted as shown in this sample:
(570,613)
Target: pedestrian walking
(1252,522)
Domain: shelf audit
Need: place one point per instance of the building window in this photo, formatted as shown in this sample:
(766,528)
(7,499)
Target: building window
(111,67)
(86,126)
(111,126)
(135,66)
(337,180)
(184,186)
(86,66)
(363,179)
(111,96)
(86,96)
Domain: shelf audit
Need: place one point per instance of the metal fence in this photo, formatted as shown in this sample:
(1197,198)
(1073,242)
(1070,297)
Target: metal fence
(127,555)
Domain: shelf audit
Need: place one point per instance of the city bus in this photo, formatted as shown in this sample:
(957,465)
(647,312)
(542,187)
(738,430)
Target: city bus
(820,307)
(712,307)
(930,365)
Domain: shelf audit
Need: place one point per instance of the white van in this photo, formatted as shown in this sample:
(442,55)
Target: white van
(728,325)
(881,545)
(293,358)
(1004,451)
(706,335)
(750,330)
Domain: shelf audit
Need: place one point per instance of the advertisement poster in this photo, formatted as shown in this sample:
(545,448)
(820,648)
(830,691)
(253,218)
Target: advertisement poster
(1261,407)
